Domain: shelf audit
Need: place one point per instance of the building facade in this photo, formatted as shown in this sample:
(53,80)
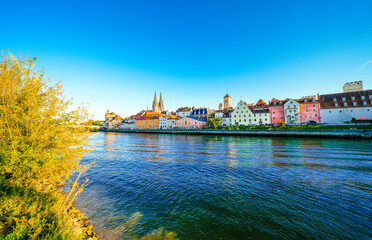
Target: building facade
(149,120)
(202,113)
(112,120)
(245,114)
(292,112)
(343,107)
(183,112)
(276,108)
(190,123)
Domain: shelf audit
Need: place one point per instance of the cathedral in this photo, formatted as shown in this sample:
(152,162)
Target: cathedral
(158,107)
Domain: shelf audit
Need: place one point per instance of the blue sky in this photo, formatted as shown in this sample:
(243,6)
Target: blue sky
(114,54)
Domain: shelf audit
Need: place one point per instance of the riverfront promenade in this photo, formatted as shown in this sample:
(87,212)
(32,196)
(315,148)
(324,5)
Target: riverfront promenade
(350,134)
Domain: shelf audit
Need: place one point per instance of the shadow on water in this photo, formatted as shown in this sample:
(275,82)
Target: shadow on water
(219,187)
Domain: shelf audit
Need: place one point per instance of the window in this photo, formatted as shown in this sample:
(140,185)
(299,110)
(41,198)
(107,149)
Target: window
(276,107)
(313,100)
(354,103)
(336,104)
(290,111)
(307,110)
(345,104)
(281,112)
(351,110)
(281,117)
(295,111)
(265,119)
(254,119)
(273,113)
(274,118)
(234,116)
(239,115)
(370,96)
(352,98)
(343,99)
(316,115)
(244,120)
(280,107)
(335,99)
(305,100)
(249,115)
(274,103)
(240,120)
(241,111)
(314,109)
(363,97)
(244,115)
(364,103)
(313,105)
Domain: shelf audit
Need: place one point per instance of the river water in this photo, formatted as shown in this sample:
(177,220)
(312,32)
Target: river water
(218,187)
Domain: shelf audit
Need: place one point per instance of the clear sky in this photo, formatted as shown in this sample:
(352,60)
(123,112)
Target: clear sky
(115,54)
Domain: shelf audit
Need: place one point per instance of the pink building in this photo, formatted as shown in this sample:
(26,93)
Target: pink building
(190,122)
(276,108)
(309,109)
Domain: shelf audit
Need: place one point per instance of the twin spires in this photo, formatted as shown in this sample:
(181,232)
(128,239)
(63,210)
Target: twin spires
(158,107)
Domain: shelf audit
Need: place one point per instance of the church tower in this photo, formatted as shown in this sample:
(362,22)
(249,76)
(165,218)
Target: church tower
(161,104)
(227,102)
(155,105)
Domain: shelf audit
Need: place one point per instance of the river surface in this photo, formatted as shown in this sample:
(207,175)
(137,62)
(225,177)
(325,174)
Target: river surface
(218,187)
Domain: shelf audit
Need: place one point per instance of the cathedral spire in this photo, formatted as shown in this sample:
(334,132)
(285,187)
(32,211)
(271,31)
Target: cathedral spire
(155,105)
(161,103)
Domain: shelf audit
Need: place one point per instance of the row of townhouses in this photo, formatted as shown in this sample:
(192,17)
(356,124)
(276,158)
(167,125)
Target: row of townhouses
(337,108)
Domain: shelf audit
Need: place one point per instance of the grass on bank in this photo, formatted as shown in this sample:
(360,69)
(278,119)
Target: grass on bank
(297,127)
(26,213)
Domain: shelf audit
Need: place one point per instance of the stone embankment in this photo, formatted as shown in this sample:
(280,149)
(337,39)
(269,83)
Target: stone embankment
(351,134)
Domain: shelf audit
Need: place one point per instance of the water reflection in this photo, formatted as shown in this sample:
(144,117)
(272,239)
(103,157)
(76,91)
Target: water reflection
(219,187)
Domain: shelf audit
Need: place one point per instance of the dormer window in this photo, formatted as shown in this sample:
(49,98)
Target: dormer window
(280,103)
(370,96)
(345,104)
(364,103)
(305,100)
(274,103)
(354,103)
(313,100)
(363,97)
(335,99)
(352,98)
(343,99)
(336,104)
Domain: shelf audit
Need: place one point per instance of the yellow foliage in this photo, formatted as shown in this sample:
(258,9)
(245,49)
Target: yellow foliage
(40,139)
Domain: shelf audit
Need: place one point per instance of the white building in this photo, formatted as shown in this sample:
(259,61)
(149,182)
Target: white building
(292,112)
(183,112)
(163,122)
(343,107)
(171,121)
(128,123)
(245,115)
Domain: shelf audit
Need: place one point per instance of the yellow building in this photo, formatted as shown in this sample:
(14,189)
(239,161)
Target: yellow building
(148,120)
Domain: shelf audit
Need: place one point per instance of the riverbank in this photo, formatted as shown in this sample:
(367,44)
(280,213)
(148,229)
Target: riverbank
(349,134)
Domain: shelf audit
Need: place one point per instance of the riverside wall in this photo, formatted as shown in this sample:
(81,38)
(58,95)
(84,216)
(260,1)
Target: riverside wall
(350,134)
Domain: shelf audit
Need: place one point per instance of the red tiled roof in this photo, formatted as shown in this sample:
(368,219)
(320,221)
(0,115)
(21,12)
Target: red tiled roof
(328,101)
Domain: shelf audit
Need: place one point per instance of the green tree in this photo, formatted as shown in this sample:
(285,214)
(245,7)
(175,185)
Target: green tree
(215,122)
(281,124)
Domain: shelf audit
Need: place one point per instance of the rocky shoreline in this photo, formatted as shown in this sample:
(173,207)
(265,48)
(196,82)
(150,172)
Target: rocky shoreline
(82,223)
